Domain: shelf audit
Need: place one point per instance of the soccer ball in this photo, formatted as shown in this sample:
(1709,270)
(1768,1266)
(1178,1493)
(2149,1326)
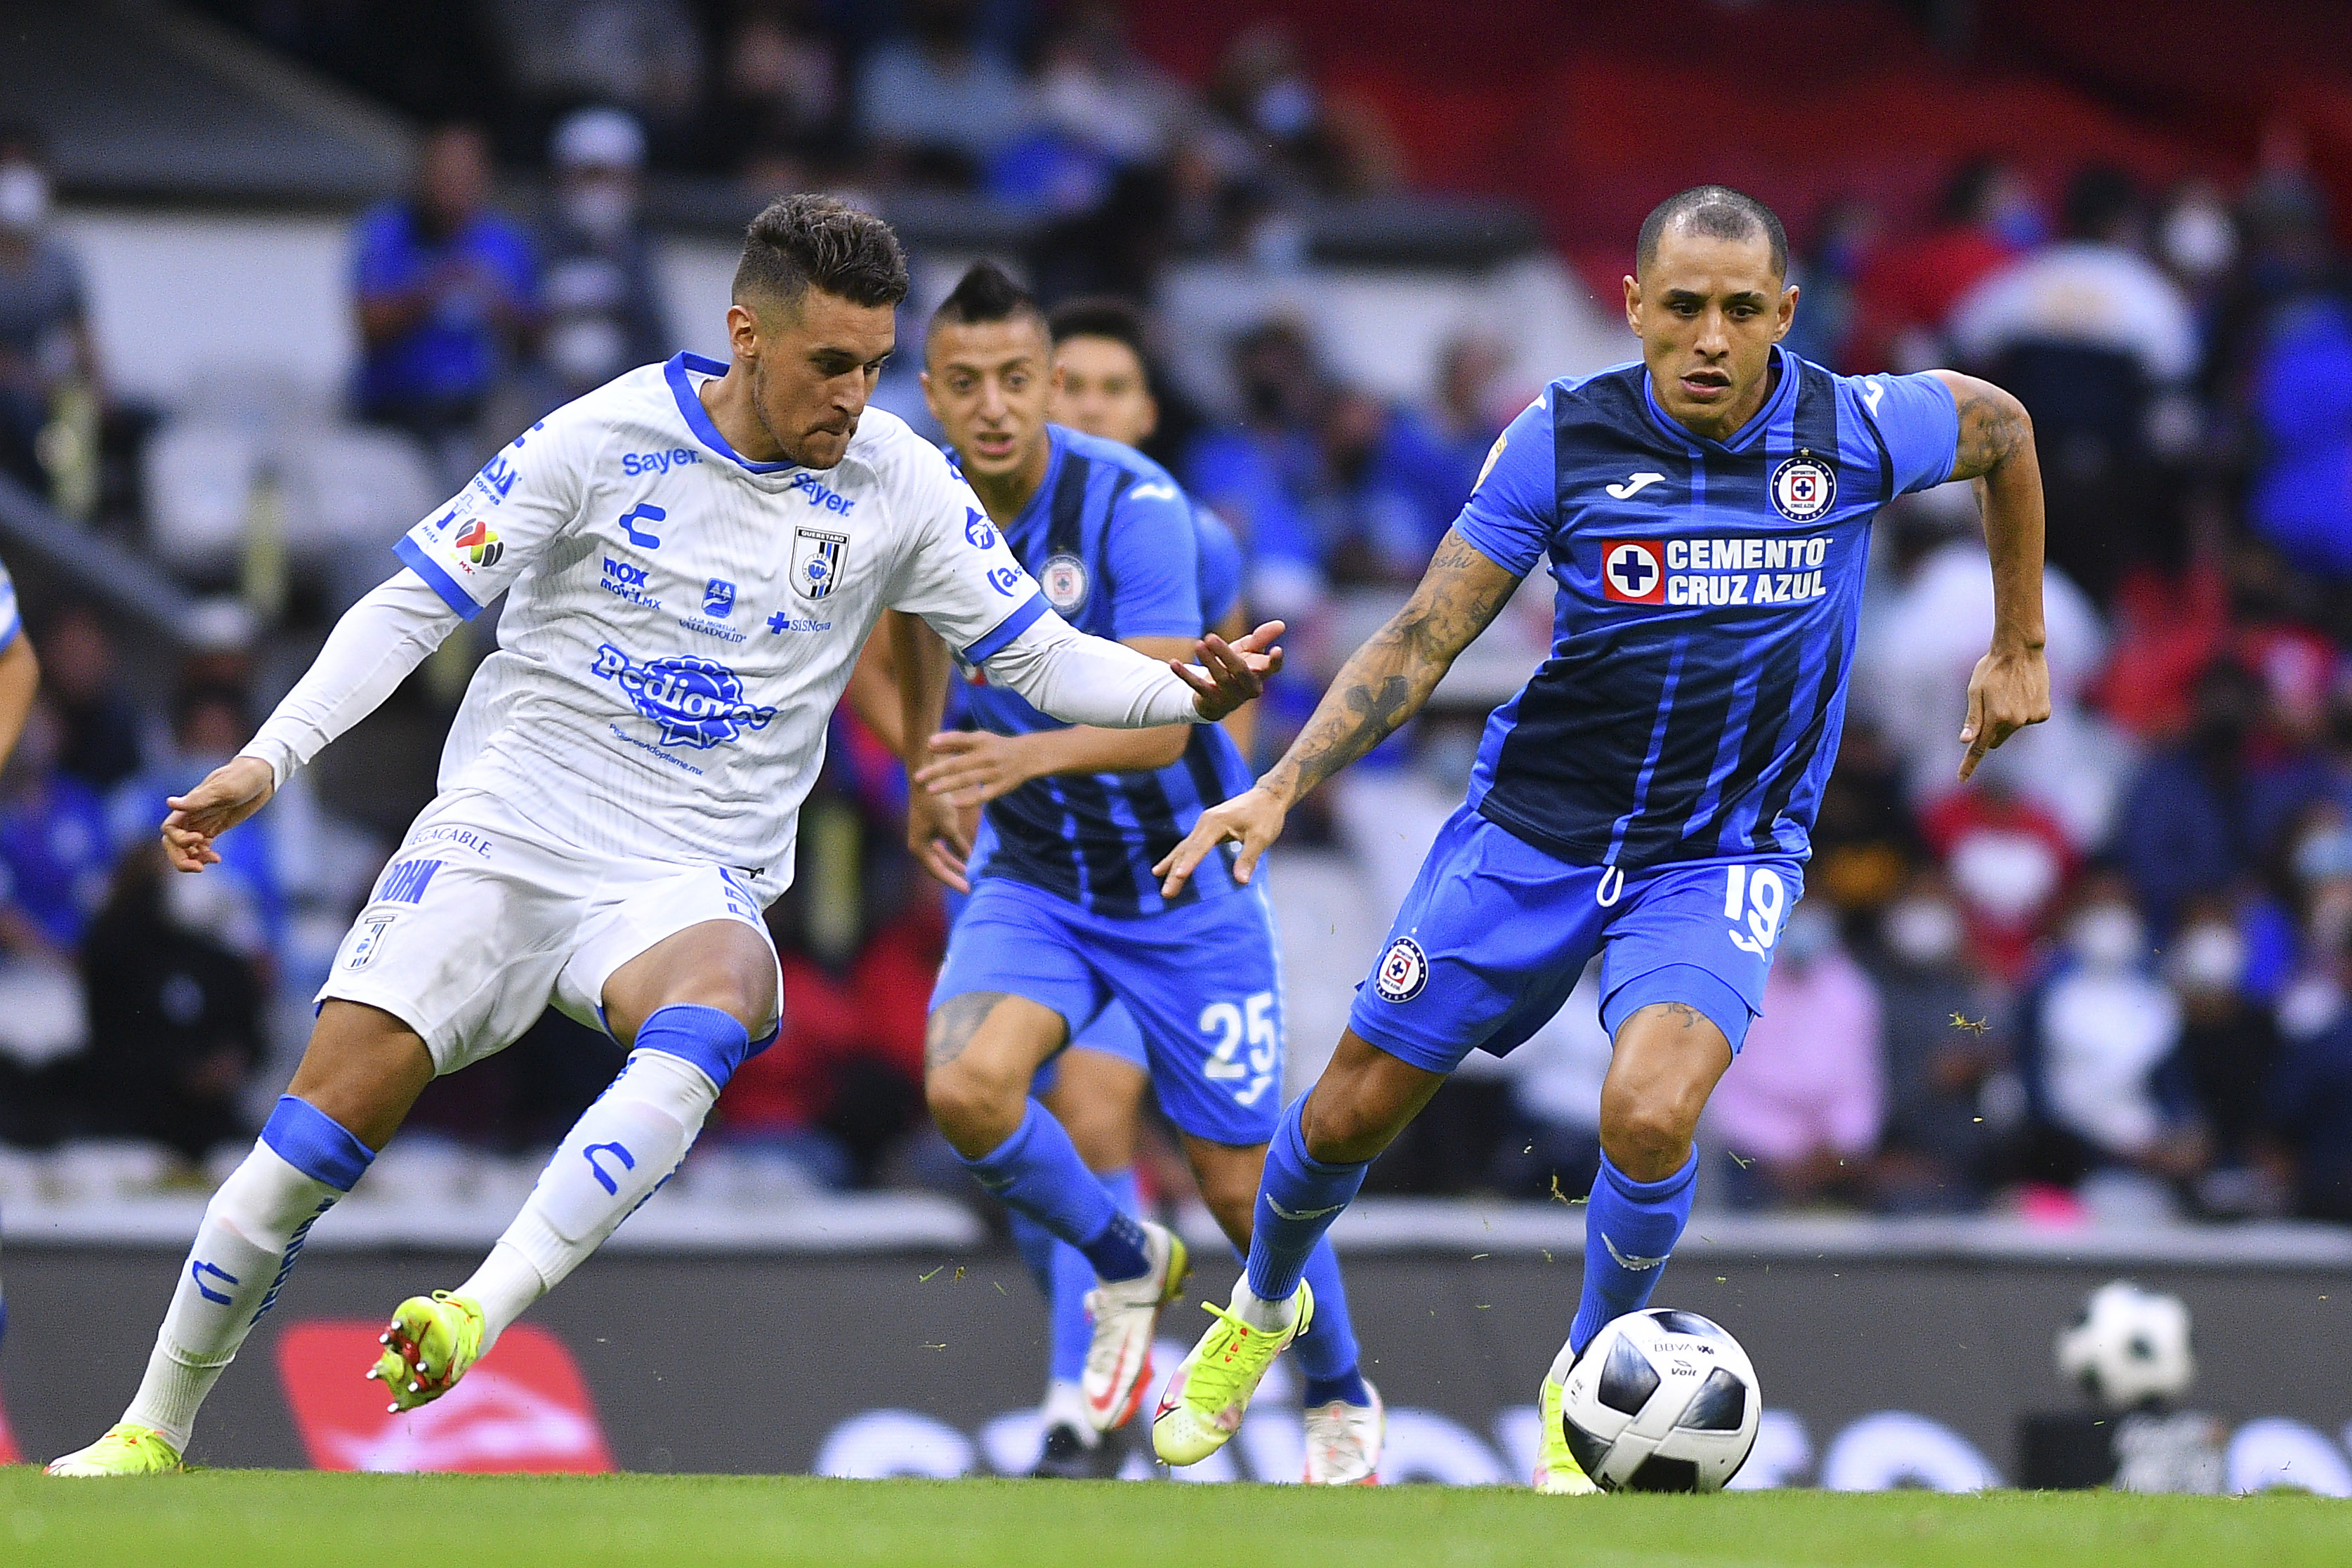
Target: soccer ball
(2128,1345)
(1661,1401)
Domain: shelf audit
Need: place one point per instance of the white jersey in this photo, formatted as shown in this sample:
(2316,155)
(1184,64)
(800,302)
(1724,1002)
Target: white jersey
(680,621)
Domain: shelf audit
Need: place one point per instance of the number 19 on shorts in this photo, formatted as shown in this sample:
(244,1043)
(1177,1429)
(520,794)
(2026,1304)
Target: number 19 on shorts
(1758,893)
(1231,1025)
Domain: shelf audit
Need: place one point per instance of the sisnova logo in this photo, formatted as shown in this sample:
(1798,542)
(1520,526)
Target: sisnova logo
(697,702)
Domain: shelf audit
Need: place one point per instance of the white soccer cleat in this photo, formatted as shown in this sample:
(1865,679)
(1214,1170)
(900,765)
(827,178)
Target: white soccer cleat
(1344,1440)
(1125,1313)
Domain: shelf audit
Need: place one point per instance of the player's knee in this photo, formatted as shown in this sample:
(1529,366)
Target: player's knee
(1645,1133)
(966,1098)
(1348,1129)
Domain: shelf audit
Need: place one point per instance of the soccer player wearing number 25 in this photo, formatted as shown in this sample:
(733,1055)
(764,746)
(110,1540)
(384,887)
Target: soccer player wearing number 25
(691,557)
(1648,794)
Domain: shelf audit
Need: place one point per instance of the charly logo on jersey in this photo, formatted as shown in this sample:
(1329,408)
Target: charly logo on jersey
(1064,580)
(1803,488)
(697,702)
(1633,571)
(1403,971)
(816,562)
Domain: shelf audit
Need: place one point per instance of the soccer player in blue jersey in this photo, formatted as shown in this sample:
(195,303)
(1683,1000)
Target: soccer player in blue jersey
(1066,916)
(1647,795)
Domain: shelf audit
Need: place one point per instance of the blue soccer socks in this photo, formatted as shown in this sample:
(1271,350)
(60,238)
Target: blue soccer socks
(1297,1199)
(1630,1230)
(1327,1352)
(1037,1171)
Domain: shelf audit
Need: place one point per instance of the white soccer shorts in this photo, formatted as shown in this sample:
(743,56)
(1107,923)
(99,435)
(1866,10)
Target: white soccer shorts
(483,919)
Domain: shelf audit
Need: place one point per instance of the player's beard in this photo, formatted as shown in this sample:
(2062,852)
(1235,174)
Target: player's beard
(795,454)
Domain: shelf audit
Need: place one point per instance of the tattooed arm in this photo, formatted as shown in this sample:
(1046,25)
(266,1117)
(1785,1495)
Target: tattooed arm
(1383,683)
(2010,687)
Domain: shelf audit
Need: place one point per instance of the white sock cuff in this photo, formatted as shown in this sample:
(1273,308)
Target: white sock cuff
(266,1200)
(670,1082)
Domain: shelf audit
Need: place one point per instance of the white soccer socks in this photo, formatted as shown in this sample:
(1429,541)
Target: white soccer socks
(253,1230)
(621,1149)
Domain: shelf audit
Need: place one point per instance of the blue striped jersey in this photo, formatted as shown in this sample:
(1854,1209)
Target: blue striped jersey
(1119,551)
(1708,593)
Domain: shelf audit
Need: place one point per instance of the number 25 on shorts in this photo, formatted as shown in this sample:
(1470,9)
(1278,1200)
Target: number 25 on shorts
(1253,1020)
(1759,893)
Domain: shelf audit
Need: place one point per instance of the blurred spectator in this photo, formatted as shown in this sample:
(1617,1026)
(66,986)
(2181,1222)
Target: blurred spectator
(1271,105)
(2309,1104)
(1099,109)
(646,55)
(2186,822)
(447,298)
(100,743)
(1864,841)
(1920,641)
(1944,1056)
(1260,473)
(174,1014)
(602,303)
(244,889)
(46,347)
(2230,1048)
(1906,287)
(1801,1108)
(2008,862)
(54,852)
(1828,271)
(937,103)
(781,82)
(2101,1059)
(2301,393)
(1429,457)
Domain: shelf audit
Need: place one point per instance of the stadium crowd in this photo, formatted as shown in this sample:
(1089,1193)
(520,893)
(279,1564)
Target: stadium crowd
(2108,978)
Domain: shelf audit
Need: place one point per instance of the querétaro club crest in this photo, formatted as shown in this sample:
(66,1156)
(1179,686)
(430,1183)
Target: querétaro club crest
(697,702)
(816,562)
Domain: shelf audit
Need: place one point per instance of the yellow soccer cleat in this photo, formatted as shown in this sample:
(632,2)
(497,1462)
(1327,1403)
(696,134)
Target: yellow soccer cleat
(1557,1470)
(431,1342)
(1208,1393)
(125,1450)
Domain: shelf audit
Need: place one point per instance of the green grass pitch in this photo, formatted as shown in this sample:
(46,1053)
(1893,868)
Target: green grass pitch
(253,1519)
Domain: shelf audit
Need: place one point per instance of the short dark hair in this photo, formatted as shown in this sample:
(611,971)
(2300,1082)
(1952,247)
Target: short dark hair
(821,241)
(1105,316)
(985,293)
(1719,213)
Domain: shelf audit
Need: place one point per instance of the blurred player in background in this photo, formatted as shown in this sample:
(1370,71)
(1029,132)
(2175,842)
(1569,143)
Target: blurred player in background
(1064,920)
(691,557)
(20,674)
(1648,794)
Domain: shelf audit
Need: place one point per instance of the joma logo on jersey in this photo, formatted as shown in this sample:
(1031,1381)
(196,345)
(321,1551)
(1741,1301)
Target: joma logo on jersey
(816,493)
(816,562)
(635,463)
(697,702)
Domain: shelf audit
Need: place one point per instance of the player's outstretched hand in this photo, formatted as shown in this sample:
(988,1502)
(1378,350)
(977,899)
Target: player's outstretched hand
(972,767)
(938,834)
(2007,691)
(228,795)
(1253,820)
(1231,673)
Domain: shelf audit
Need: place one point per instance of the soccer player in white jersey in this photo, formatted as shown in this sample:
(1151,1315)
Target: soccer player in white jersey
(691,557)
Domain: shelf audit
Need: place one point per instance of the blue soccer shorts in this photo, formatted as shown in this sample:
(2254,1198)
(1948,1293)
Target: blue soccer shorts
(1495,932)
(1113,1033)
(1201,983)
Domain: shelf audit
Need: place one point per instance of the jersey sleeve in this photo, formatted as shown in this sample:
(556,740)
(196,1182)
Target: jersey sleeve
(1919,424)
(957,572)
(1221,567)
(1515,505)
(473,547)
(1155,589)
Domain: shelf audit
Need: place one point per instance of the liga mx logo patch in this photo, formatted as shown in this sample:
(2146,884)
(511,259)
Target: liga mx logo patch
(1633,571)
(1403,971)
(479,543)
(1803,488)
(816,562)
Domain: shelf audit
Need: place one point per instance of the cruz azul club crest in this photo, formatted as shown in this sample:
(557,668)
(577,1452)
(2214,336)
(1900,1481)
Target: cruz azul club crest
(1803,488)
(1064,582)
(697,702)
(816,562)
(1405,969)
